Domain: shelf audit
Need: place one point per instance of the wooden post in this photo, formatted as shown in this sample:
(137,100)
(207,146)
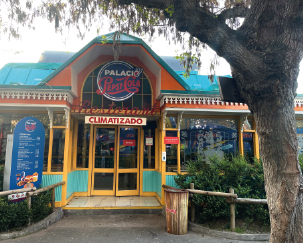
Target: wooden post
(28,196)
(29,201)
(192,206)
(232,213)
(53,198)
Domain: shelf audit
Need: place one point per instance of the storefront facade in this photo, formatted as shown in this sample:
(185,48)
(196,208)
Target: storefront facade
(126,127)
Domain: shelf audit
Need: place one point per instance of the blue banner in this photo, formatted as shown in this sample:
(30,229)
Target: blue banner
(28,153)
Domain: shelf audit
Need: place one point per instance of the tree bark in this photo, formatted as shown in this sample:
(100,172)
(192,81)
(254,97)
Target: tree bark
(282,172)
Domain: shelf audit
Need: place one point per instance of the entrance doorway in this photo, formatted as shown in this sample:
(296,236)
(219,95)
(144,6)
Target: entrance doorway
(116,161)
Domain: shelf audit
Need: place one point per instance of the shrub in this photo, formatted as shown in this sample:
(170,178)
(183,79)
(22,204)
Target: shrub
(16,215)
(247,179)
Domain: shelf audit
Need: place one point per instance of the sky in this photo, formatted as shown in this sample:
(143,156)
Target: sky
(43,38)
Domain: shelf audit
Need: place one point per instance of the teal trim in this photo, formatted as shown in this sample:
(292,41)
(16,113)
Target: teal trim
(125,39)
(170,181)
(48,180)
(17,86)
(77,181)
(152,182)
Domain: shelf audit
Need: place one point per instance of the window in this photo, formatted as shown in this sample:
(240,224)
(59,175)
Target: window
(249,140)
(171,153)
(58,150)
(248,146)
(149,150)
(141,99)
(300,135)
(83,144)
(206,137)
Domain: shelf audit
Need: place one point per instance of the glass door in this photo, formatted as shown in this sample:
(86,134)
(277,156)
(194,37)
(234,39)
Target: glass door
(104,161)
(127,182)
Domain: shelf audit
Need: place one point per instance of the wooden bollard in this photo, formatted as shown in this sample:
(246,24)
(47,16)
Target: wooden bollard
(232,213)
(192,206)
(176,207)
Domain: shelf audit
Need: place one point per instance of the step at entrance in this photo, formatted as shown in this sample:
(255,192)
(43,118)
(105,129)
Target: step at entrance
(113,205)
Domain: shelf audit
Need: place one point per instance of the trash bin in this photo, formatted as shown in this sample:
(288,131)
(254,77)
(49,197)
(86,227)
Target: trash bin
(176,207)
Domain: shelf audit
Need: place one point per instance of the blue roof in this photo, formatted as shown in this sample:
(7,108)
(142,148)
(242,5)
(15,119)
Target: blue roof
(198,82)
(26,73)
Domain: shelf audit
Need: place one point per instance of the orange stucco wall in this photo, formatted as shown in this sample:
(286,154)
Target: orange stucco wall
(103,59)
(64,77)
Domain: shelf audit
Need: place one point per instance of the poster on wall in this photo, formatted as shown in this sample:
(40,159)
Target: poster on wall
(27,154)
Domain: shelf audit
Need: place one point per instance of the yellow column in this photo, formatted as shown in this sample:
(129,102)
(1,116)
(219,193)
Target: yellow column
(90,159)
(65,164)
(256,141)
(163,163)
(241,147)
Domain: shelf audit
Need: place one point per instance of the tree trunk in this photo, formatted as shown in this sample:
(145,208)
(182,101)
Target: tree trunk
(276,127)
(272,105)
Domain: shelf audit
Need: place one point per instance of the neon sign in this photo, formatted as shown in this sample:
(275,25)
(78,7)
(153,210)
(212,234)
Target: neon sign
(118,80)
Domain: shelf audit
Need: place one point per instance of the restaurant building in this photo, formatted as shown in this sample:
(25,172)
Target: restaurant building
(126,127)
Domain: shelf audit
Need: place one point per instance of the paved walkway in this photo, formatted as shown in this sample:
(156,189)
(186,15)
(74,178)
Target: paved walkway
(113,228)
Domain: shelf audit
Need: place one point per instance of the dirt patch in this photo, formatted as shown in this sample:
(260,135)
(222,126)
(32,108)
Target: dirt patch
(242,227)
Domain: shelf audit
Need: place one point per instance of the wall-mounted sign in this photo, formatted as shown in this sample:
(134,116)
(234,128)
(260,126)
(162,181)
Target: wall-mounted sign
(135,121)
(27,154)
(118,80)
(85,108)
(149,141)
(129,142)
(163,156)
(171,140)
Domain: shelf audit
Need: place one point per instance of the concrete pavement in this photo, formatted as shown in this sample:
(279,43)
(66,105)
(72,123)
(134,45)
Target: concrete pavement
(113,228)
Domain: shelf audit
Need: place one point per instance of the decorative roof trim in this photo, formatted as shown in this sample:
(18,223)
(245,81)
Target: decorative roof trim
(36,95)
(171,99)
(196,100)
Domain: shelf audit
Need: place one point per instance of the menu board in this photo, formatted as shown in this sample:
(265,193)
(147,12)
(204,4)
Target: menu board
(27,154)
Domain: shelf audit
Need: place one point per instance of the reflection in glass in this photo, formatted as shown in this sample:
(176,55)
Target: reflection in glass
(83,144)
(248,124)
(128,148)
(206,137)
(127,181)
(105,148)
(171,153)
(300,135)
(58,150)
(46,147)
(248,144)
(59,119)
(149,151)
(171,122)
(104,181)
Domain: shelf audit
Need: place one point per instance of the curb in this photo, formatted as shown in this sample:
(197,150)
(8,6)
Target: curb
(50,219)
(228,235)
